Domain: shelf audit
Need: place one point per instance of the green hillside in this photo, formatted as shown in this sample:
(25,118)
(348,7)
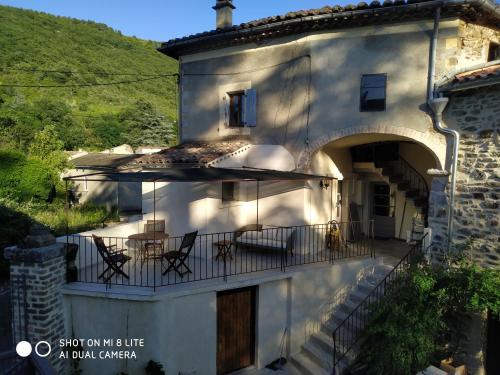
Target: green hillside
(41,49)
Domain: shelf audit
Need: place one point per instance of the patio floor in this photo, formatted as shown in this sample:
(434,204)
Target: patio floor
(150,273)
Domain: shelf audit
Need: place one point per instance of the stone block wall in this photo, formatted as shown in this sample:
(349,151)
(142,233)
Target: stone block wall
(468,48)
(37,276)
(476,115)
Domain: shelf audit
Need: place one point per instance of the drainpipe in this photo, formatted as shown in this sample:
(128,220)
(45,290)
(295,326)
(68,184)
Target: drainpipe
(438,105)
(179,102)
(432,55)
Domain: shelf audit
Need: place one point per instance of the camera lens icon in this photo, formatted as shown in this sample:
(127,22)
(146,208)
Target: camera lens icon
(42,348)
(45,349)
(23,348)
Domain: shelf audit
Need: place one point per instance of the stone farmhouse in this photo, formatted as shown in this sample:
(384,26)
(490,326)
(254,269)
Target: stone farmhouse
(316,149)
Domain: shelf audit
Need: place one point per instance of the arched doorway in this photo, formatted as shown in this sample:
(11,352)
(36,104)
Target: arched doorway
(383,178)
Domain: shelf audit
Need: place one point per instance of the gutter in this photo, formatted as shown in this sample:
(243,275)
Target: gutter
(438,105)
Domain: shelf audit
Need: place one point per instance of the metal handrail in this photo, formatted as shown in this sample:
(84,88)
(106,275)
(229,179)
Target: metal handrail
(41,366)
(276,248)
(378,291)
(423,182)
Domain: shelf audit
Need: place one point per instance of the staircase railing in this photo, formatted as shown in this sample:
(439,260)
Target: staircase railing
(416,179)
(347,333)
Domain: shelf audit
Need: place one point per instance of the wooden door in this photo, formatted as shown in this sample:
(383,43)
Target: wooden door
(235,329)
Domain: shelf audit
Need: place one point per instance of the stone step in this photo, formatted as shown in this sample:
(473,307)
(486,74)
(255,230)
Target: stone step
(357,295)
(307,366)
(366,287)
(289,369)
(324,340)
(355,320)
(319,356)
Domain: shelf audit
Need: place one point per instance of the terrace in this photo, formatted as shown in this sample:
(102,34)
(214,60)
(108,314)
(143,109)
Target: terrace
(255,249)
(249,253)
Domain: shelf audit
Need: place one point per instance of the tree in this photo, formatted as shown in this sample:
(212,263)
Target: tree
(146,126)
(47,149)
(107,132)
(45,143)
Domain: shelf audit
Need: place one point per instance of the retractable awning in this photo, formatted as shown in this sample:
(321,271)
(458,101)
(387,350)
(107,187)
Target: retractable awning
(198,175)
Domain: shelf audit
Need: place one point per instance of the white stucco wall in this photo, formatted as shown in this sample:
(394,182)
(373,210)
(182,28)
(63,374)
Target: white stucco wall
(179,325)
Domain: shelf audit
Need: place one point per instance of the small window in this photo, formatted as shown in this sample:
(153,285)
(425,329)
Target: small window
(228,189)
(236,109)
(373,92)
(493,52)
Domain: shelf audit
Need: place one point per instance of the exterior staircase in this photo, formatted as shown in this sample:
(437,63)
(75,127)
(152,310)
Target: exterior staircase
(413,184)
(409,181)
(315,357)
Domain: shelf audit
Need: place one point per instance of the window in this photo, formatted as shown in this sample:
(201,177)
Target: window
(236,109)
(239,107)
(373,92)
(228,189)
(493,52)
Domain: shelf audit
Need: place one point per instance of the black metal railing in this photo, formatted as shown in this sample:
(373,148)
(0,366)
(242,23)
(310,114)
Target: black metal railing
(348,332)
(12,364)
(410,174)
(225,254)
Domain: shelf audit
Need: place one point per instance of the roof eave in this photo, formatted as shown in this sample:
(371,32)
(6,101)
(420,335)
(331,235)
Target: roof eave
(474,84)
(234,36)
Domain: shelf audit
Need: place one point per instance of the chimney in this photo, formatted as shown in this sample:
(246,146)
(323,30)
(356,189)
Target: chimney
(224,9)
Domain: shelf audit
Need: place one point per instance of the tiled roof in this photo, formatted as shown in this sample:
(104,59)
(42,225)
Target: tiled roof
(489,74)
(102,161)
(188,153)
(484,12)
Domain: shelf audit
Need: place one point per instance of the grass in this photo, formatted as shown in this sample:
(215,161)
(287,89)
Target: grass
(18,218)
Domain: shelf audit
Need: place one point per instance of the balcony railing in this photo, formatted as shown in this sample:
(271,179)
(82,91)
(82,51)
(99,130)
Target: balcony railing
(225,254)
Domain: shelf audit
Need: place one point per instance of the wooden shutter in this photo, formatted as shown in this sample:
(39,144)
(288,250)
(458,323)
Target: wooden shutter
(225,108)
(250,110)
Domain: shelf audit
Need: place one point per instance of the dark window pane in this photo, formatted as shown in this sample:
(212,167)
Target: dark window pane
(493,52)
(382,200)
(373,80)
(236,109)
(373,92)
(381,189)
(228,191)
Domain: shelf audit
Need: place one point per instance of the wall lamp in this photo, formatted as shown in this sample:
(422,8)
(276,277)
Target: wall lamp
(324,184)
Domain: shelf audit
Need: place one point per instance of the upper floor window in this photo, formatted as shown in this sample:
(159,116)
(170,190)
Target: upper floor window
(373,92)
(240,107)
(236,108)
(493,52)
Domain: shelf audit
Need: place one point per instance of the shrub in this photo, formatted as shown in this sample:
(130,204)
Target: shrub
(154,368)
(419,319)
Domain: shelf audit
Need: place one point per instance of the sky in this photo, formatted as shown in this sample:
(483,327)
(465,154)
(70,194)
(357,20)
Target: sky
(161,20)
